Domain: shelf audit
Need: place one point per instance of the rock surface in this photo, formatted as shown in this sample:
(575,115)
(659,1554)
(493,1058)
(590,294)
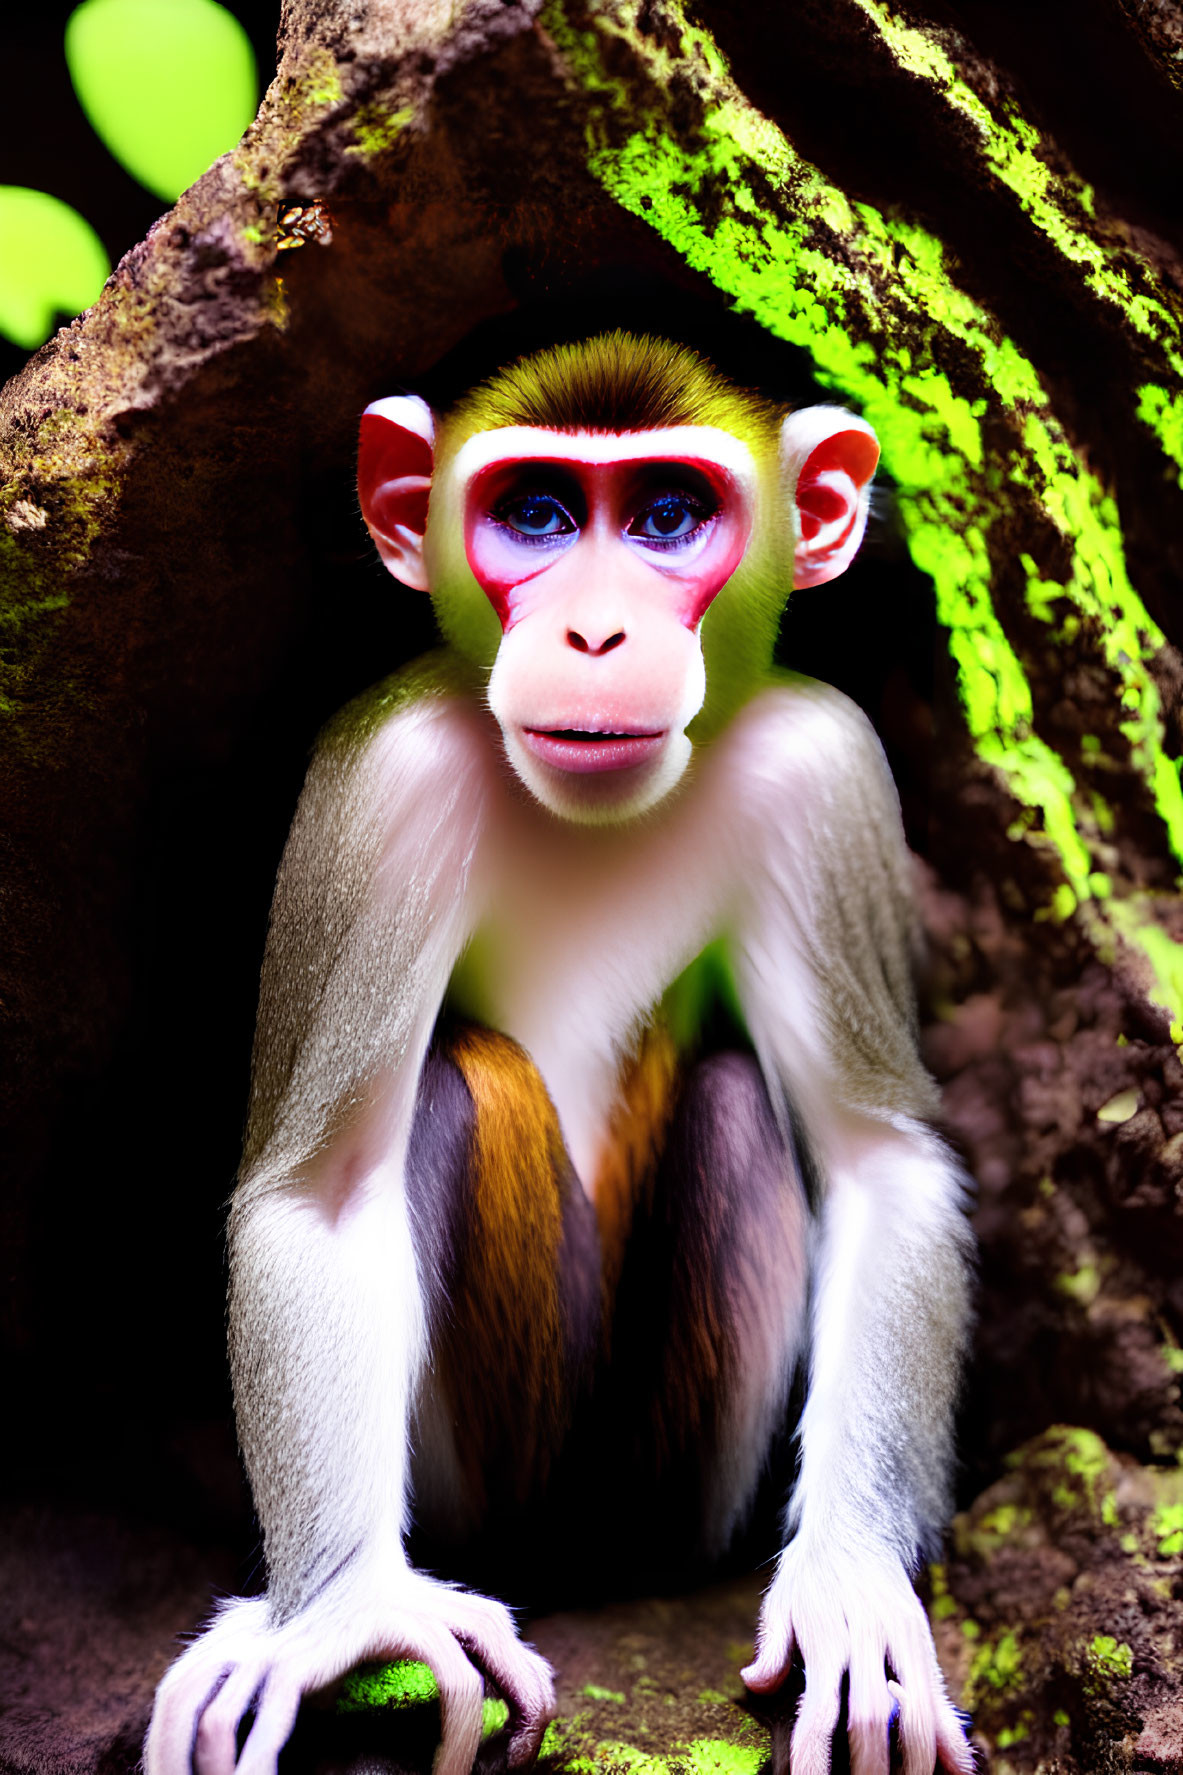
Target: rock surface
(187,598)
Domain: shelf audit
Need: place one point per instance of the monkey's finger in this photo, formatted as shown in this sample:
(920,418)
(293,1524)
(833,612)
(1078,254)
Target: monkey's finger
(869,1714)
(461,1696)
(531,1706)
(275,1715)
(817,1717)
(524,1745)
(774,1652)
(214,1740)
(954,1750)
(516,1671)
(181,1700)
(526,1682)
(918,1727)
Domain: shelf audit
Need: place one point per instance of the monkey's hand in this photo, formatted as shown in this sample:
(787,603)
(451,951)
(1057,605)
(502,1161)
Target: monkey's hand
(860,1615)
(242,1663)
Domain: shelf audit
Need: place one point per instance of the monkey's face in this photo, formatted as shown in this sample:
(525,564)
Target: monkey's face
(600,556)
(573,568)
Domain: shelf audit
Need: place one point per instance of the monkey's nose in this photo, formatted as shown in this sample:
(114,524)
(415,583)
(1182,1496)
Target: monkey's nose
(582,645)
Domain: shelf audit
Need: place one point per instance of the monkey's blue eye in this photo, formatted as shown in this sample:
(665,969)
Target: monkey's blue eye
(535,516)
(670,519)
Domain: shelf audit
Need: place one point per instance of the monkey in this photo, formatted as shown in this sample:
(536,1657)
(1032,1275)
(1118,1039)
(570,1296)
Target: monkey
(504,1217)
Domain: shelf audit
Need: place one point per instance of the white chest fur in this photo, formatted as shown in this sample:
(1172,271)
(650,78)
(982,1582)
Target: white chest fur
(581,932)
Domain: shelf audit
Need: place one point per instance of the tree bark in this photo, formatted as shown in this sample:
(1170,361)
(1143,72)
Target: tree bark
(884,207)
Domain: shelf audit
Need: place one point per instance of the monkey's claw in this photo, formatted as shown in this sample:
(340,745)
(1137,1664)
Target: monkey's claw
(857,1619)
(242,1664)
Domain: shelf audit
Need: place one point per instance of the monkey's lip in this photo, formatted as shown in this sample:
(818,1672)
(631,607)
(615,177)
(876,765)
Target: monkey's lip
(582,750)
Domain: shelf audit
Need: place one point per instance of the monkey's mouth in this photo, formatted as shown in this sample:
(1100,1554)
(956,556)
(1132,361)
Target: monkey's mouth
(582,750)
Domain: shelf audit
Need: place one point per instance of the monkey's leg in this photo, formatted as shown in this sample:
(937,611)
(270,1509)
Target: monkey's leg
(365,1602)
(710,1313)
(513,1300)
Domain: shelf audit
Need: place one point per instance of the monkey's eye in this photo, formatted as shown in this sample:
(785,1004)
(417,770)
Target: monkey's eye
(536,517)
(671,520)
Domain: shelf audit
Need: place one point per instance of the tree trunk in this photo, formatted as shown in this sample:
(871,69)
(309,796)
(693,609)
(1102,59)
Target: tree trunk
(912,213)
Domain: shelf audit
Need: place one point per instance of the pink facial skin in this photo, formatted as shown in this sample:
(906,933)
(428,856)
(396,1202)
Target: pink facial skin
(603,559)
(603,500)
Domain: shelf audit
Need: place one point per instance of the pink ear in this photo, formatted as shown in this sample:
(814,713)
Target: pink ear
(394,465)
(829,458)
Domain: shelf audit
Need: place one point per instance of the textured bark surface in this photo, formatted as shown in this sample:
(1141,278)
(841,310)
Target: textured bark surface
(1158,25)
(188,596)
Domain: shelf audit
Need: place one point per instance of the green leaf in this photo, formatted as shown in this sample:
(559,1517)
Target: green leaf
(51,262)
(169,85)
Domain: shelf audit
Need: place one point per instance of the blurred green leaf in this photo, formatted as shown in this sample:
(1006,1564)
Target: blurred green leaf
(51,262)
(169,85)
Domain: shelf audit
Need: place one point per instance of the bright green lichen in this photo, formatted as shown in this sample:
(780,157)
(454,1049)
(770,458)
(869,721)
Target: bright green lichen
(1082,1286)
(942,1605)
(740,205)
(405,1684)
(1134,919)
(1168,1527)
(716,1756)
(594,1692)
(1110,1657)
(999,1525)
(1076,1466)
(1162,410)
(375,128)
(997,1666)
(318,82)
(706,1756)
(1011,1735)
(1054,201)
(1083,1453)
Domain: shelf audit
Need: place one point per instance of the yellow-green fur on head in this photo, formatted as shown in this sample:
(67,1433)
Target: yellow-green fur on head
(616,382)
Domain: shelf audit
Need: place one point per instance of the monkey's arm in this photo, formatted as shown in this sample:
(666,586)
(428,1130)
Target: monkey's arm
(825,968)
(373,905)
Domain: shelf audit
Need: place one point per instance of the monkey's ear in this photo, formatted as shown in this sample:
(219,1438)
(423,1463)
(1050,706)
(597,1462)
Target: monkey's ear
(394,463)
(828,457)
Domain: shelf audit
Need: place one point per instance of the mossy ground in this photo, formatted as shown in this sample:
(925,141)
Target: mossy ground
(1057,1610)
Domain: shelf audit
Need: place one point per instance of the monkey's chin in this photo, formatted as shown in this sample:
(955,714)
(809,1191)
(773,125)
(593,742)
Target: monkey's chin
(588,789)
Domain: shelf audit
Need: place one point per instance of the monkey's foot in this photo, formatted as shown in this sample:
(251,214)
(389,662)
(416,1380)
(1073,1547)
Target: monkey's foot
(243,1665)
(862,1617)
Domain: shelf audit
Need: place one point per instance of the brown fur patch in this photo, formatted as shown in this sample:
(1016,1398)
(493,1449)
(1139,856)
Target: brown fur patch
(506,1336)
(636,1137)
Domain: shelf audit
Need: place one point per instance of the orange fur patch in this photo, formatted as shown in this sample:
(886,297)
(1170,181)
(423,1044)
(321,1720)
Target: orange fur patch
(636,1137)
(507,1370)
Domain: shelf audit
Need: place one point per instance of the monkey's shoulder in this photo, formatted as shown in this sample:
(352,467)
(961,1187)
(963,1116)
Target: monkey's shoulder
(421,688)
(798,730)
(416,743)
